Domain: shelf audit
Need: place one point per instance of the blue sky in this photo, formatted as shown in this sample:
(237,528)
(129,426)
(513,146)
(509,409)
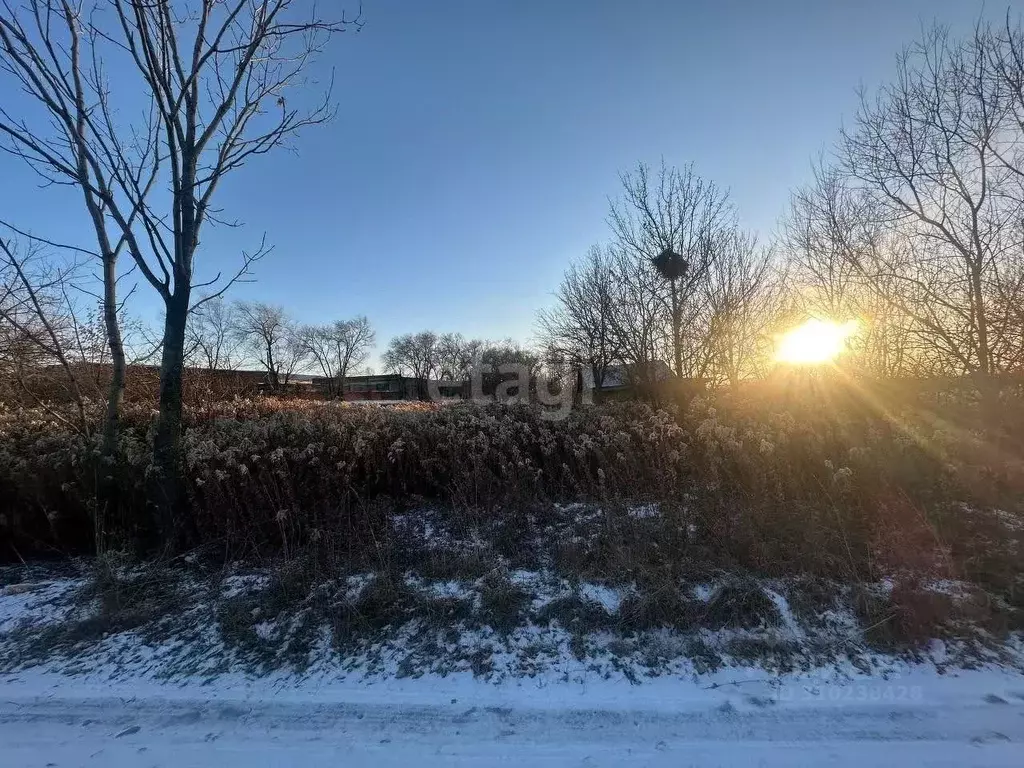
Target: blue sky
(477,143)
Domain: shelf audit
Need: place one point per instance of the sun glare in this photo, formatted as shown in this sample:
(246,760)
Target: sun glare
(814,342)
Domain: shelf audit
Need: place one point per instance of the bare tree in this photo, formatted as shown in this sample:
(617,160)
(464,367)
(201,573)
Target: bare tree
(923,150)
(293,356)
(578,330)
(1004,50)
(638,321)
(338,348)
(1003,69)
(830,236)
(672,222)
(319,345)
(681,281)
(53,341)
(38,327)
(354,339)
(742,300)
(507,365)
(826,227)
(413,354)
(210,338)
(271,339)
(1008,309)
(456,355)
(214,75)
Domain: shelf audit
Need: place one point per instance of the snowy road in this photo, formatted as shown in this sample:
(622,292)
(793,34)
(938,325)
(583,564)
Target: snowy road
(53,730)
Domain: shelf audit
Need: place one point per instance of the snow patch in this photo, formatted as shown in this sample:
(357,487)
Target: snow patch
(703,592)
(44,603)
(241,584)
(789,622)
(610,599)
(644,511)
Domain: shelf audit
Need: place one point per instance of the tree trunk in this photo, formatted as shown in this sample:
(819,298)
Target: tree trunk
(108,503)
(981,317)
(677,330)
(342,374)
(167,486)
(272,376)
(115,392)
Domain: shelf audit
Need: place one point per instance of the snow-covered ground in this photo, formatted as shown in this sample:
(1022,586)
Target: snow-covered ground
(119,710)
(915,718)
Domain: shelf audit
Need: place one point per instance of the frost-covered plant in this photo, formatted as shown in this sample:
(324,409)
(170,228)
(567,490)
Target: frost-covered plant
(779,485)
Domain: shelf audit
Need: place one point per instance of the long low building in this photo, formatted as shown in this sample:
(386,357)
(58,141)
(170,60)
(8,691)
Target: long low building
(393,386)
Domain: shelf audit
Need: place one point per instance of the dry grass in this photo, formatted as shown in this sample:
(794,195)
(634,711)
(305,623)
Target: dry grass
(576,614)
(503,604)
(740,606)
(660,605)
(822,491)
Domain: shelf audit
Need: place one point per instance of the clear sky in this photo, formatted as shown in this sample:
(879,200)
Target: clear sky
(477,143)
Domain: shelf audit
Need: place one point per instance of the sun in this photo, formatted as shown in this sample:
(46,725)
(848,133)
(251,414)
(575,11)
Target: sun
(814,342)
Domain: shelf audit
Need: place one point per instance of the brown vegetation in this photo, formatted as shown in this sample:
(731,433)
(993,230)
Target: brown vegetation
(822,487)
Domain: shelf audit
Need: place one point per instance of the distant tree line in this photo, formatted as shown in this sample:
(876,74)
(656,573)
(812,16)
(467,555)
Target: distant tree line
(451,357)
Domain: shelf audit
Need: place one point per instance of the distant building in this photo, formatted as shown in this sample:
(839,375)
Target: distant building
(382,387)
(142,383)
(627,381)
(451,390)
(393,386)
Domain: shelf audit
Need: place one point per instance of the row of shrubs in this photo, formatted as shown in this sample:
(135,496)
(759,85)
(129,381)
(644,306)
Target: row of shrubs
(265,474)
(775,484)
